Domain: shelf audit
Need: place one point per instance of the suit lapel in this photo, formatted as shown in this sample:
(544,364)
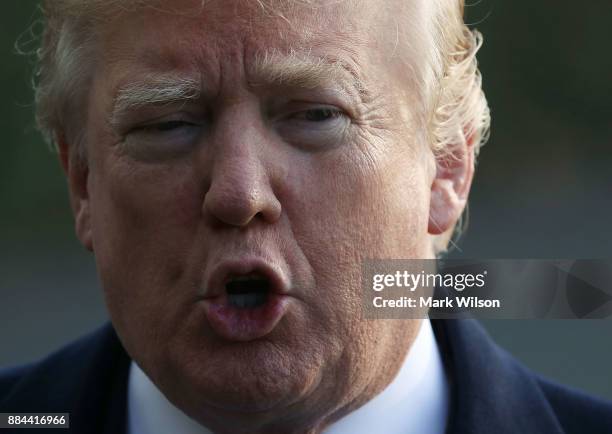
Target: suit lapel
(491,392)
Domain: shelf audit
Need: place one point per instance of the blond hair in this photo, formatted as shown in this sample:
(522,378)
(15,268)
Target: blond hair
(459,116)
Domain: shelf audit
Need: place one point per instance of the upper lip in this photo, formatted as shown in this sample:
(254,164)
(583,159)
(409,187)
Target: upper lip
(223,271)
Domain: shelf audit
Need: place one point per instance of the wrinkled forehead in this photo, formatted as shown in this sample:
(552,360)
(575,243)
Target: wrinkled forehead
(196,34)
(297,24)
(301,25)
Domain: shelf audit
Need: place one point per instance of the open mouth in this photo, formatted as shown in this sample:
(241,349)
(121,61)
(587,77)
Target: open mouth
(245,300)
(247,291)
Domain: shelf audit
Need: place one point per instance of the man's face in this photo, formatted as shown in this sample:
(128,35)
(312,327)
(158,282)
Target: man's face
(229,224)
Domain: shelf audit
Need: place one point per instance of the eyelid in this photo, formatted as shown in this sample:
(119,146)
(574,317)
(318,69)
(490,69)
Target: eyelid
(291,109)
(149,141)
(302,115)
(152,124)
(169,117)
(333,95)
(151,114)
(313,135)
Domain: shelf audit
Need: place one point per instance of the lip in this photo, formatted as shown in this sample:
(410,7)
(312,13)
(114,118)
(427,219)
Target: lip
(235,324)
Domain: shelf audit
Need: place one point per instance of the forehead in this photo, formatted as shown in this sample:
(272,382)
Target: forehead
(222,26)
(199,32)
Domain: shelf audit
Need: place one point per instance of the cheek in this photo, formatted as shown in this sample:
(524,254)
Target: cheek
(144,225)
(352,207)
(348,209)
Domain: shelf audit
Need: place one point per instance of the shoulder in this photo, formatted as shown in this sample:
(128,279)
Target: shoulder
(10,376)
(577,411)
(494,392)
(57,381)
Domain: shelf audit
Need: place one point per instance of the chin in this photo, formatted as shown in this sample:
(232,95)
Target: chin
(258,376)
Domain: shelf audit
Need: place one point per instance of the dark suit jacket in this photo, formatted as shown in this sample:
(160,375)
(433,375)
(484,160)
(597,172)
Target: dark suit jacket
(491,392)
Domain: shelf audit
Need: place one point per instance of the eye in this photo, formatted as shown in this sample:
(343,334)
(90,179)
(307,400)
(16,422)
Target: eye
(165,126)
(314,127)
(318,114)
(162,139)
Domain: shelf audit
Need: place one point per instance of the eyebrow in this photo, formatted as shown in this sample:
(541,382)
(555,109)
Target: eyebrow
(154,89)
(302,70)
(270,68)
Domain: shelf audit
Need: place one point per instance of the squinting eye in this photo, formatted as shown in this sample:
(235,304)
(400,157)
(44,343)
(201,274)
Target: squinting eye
(314,127)
(162,139)
(318,114)
(166,126)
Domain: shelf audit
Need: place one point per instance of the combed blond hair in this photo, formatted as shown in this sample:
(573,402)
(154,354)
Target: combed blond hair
(460,113)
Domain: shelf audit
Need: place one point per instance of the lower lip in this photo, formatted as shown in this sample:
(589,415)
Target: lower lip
(244,324)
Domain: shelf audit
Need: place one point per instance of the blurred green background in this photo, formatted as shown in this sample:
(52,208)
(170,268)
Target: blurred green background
(543,187)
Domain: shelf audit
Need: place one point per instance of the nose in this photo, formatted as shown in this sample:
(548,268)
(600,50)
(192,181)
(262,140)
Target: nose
(240,190)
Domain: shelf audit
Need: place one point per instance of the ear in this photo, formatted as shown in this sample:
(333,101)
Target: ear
(77,173)
(450,187)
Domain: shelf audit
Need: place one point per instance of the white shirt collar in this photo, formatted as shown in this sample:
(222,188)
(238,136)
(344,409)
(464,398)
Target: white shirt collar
(416,401)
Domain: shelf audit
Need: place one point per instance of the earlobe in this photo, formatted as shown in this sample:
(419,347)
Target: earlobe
(77,175)
(82,223)
(450,188)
